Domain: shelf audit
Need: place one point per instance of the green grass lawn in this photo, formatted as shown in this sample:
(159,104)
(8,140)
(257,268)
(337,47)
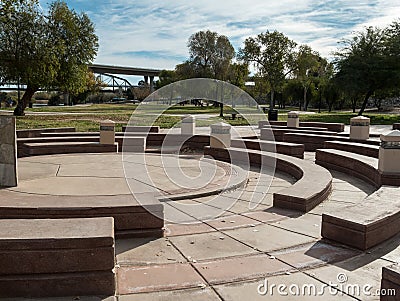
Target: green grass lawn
(87,118)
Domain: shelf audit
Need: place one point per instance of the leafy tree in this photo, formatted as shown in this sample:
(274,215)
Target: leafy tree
(273,54)
(210,54)
(44,51)
(307,66)
(369,62)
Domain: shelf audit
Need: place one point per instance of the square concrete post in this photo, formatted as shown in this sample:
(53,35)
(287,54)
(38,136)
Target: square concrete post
(188,125)
(293,119)
(389,153)
(8,152)
(220,135)
(359,128)
(107,132)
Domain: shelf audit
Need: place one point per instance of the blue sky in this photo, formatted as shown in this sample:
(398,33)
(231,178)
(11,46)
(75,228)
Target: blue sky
(154,34)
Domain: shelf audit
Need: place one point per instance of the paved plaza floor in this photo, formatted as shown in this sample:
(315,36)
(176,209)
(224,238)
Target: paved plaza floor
(219,246)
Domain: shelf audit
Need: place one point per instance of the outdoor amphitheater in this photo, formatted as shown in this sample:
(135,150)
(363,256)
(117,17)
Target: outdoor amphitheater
(285,209)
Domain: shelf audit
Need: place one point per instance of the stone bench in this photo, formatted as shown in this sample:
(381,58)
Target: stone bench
(54,258)
(371,135)
(363,167)
(290,149)
(354,147)
(334,127)
(131,218)
(396,126)
(51,148)
(304,128)
(313,186)
(368,223)
(140,129)
(390,283)
(314,141)
(31,133)
(265,133)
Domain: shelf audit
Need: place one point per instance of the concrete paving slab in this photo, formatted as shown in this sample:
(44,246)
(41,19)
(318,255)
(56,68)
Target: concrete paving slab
(330,206)
(267,238)
(155,278)
(291,289)
(73,298)
(33,170)
(182,229)
(240,268)
(307,224)
(314,254)
(205,294)
(232,222)
(144,251)
(361,270)
(209,246)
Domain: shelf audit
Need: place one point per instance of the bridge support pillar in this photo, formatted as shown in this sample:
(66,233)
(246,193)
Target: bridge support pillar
(151,84)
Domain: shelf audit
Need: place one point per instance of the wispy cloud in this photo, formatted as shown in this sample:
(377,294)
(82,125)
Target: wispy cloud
(154,33)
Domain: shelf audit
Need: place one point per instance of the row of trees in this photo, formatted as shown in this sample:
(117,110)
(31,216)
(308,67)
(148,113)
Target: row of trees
(367,65)
(45,50)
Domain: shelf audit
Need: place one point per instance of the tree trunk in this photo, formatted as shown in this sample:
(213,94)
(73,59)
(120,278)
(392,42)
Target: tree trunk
(26,98)
(271,102)
(305,98)
(364,105)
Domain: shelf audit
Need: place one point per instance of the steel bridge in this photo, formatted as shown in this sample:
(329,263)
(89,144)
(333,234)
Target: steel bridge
(119,82)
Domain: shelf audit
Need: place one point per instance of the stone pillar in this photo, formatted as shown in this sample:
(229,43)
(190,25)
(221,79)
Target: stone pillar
(188,125)
(359,128)
(293,119)
(389,153)
(107,132)
(151,84)
(220,135)
(8,152)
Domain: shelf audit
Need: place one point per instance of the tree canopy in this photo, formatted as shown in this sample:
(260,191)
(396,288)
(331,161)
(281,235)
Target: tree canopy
(369,62)
(41,50)
(273,55)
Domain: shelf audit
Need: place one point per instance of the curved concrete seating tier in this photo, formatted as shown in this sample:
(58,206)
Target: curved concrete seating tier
(313,186)
(290,149)
(363,167)
(334,127)
(57,257)
(396,126)
(31,133)
(51,148)
(354,147)
(313,142)
(131,219)
(140,129)
(371,135)
(265,133)
(390,281)
(304,128)
(368,223)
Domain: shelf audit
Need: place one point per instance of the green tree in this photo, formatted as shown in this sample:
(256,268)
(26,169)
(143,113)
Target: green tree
(273,55)
(306,70)
(369,62)
(210,54)
(44,51)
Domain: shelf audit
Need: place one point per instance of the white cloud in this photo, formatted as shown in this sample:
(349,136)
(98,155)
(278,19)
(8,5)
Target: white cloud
(129,30)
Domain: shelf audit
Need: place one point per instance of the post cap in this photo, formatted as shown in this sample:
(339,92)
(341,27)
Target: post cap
(107,122)
(188,118)
(359,120)
(220,128)
(393,136)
